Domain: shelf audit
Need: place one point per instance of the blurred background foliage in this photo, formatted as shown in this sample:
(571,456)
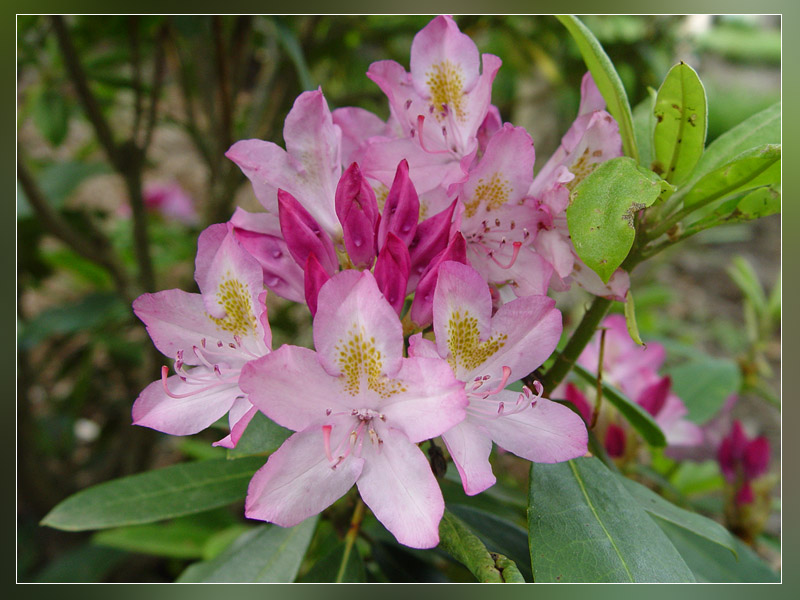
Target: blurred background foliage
(108,106)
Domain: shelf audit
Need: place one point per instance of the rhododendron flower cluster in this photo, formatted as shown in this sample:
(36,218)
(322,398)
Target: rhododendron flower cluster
(424,248)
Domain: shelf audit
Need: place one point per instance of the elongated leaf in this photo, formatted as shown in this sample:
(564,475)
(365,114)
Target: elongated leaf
(584,526)
(601,212)
(179,539)
(84,564)
(762,128)
(704,385)
(329,568)
(711,563)
(630,319)
(607,80)
(751,169)
(458,540)
(156,495)
(499,535)
(681,115)
(638,417)
(747,206)
(262,436)
(644,123)
(266,554)
(51,115)
(690,521)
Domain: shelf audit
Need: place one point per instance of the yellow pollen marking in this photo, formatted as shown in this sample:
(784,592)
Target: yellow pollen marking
(445,83)
(491,195)
(239,318)
(581,168)
(464,342)
(381,192)
(358,358)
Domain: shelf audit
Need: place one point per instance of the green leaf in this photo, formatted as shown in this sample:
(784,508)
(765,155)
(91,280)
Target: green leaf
(165,493)
(292,47)
(750,205)
(704,384)
(51,115)
(328,568)
(690,521)
(644,122)
(584,526)
(601,212)
(762,128)
(456,538)
(638,417)
(606,78)
(181,538)
(59,180)
(262,436)
(681,114)
(266,554)
(711,563)
(751,169)
(84,564)
(746,278)
(498,535)
(630,319)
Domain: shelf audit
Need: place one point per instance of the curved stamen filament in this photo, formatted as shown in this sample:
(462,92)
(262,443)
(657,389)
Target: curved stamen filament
(517,246)
(165,371)
(420,123)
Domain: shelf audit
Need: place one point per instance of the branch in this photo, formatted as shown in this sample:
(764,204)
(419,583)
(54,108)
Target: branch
(155,92)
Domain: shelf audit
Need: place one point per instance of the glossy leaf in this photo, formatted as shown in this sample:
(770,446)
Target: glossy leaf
(704,384)
(458,540)
(751,169)
(181,538)
(644,122)
(690,521)
(265,554)
(156,495)
(329,568)
(607,80)
(762,128)
(681,114)
(584,526)
(602,209)
(755,204)
(638,417)
(712,563)
(262,436)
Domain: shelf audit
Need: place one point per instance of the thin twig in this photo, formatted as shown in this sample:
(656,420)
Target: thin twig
(350,538)
(155,92)
(136,63)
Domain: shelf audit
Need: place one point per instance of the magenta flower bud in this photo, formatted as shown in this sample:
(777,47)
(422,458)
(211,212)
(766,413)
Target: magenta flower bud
(421,312)
(315,277)
(391,271)
(430,239)
(731,451)
(304,235)
(745,494)
(654,396)
(357,210)
(756,458)
(401,211)
(576,397)
(615,441)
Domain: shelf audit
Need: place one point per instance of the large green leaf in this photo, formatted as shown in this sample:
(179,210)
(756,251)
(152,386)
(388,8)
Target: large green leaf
(262,436)
(681,115)
(711,563)
(497,534)
(704,384)
(156,495)
(690,521)
(606,78)
(584,526)
(602,209)
(762,128)
(266,554)
(458,540)
(753,168)
(747,206)
(638,417)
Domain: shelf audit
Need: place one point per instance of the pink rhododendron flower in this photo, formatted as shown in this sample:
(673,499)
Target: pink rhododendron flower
(171,201)
(633,369)
(593,138)
(486,353)
(359,408)
(215,333)
(742,460)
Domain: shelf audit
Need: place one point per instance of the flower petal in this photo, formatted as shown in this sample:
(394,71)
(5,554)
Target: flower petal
(470,445)
(239,417)
(547,432)
(398,486)
(298,481)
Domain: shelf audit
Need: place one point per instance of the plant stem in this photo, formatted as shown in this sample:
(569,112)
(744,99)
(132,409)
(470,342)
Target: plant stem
(581,336)
(599,399)
(350,538)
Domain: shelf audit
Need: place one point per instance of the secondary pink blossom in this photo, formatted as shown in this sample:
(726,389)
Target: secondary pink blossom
(171,201)
(633,369)
(593,138)
(359,408)
(487,352)
(215,333)
(741,460)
